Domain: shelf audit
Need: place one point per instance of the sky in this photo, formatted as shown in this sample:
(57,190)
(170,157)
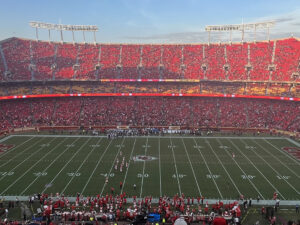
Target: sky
(149,21)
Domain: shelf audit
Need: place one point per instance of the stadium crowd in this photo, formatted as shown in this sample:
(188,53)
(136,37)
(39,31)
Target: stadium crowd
(152,87)
(150,111)
(120,209)
(32,60)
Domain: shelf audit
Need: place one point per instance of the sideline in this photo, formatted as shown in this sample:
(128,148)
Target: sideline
(156,200)
(166,136)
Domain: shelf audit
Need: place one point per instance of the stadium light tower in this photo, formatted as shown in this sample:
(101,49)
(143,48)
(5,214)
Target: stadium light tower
(62,27)
(241,27)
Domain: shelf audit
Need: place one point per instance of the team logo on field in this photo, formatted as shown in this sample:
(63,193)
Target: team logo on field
(142,158)
(5,147)
(294,151)
(291,149)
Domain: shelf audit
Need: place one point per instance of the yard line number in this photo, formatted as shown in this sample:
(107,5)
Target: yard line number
(6,173)
(283,177)
(140,175)
(179,176)
(73,174)
(40,174)
(107,175)
(245,177)
(213,176)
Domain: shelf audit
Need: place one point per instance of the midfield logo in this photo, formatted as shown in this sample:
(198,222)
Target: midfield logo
(294,151)
(291,149)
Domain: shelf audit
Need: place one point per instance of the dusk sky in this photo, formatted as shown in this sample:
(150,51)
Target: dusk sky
(149,21)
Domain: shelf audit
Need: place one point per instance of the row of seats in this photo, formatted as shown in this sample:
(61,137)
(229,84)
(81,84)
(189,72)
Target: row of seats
(17,57)
(183,88)
(87,58)
(28,59)
(2,69)
(287,59)
(237,53)
(66,56)
(150,111)
(43,59)
(260,58)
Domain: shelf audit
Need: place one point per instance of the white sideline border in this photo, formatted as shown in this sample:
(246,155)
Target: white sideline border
(5,138)
(292,141)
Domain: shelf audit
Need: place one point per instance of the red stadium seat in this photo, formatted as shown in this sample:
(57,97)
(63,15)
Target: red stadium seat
(28,60)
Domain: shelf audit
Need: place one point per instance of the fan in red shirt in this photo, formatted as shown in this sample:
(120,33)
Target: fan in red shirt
(219,221)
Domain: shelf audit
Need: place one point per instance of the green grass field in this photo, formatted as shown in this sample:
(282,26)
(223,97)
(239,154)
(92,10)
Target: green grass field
(217,168)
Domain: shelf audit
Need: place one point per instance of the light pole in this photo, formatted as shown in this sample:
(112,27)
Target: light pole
(63,27)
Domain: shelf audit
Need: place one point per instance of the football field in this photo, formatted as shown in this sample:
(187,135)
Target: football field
(213,167)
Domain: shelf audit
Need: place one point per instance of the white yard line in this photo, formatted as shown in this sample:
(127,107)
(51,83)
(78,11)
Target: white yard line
(53,161)
(159,167)
(87,156)
(283,164)
(257,169)
(5,138)
(294,142)
(278,174)
(242,171)
(23,151)
(88,181)
(26,159)
(212,177)
(232,181)
(77,151)
(130,158)
(144,165)
(175,166)
(48,152)
(112,166)
(200,194)
(14,148)
(283,152)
